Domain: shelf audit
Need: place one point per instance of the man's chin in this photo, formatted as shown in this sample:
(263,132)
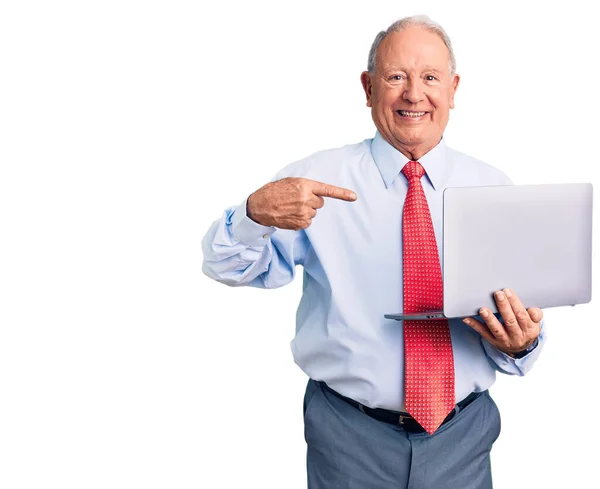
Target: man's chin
(409,138)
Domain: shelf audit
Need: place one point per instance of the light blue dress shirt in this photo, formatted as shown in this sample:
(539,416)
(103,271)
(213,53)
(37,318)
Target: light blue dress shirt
(352,260)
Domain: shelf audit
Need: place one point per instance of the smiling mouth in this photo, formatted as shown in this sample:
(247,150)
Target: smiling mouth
(410,113)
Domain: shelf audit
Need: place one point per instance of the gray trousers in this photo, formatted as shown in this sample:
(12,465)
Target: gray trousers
(349,450)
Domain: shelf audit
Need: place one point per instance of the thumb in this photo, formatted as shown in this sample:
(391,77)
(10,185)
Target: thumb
(535,314)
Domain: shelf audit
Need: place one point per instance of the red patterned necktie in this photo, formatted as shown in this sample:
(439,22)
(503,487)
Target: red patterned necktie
(429,364)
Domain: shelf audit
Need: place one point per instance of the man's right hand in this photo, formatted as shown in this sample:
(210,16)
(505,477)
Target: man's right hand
(292,203)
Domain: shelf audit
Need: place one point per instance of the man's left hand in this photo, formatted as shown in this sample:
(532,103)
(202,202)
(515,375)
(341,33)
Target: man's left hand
(521,326)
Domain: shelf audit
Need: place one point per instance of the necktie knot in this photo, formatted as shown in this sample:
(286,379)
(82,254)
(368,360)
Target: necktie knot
(413,169)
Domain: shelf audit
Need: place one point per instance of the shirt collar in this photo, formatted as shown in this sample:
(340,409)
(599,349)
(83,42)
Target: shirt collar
(390,161)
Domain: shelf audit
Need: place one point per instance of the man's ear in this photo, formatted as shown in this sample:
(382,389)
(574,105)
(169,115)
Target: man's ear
(365,79)
(455,82)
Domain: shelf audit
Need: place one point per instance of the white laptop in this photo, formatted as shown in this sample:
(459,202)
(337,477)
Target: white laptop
(535,239)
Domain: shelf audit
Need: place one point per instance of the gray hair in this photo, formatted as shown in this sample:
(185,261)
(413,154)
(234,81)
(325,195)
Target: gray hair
(417,20)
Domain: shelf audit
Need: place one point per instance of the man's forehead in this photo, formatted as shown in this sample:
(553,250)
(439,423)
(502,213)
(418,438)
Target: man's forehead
(403,66)
(413,38)
(419,49)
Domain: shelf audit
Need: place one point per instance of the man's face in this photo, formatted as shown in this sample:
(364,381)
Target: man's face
(411,92)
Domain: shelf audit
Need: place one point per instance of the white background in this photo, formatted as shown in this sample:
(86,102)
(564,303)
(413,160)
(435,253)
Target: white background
(128,127)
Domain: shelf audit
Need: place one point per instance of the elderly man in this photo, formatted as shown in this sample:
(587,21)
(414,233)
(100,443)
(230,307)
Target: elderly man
(388,404)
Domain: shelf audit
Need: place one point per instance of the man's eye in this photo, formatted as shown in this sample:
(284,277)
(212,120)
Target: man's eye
(430,78)
(396,77)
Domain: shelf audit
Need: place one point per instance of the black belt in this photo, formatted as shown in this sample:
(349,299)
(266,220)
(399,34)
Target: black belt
(404,420)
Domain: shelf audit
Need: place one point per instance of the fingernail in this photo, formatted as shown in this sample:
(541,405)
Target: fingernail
(466,320)
(484,313)
(353,196)
(508,292)
(500,295)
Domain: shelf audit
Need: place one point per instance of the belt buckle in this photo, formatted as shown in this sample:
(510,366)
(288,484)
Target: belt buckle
(401,419)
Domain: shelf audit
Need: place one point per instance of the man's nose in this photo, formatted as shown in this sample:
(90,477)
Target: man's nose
(413,92)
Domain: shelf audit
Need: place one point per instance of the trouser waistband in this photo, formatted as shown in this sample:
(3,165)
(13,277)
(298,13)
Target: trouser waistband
(399,418)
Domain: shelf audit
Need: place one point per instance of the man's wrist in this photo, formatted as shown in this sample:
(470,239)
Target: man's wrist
(248,211)
(522,353)
(247,231)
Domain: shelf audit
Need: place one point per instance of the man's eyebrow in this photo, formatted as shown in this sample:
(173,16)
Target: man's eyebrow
(390,68)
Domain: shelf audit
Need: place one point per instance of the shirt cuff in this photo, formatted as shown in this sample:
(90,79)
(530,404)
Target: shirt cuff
(248,232)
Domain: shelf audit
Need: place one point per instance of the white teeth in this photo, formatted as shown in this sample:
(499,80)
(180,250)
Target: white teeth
(412,114)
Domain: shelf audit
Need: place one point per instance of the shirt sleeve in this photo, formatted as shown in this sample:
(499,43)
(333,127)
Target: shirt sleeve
(514,366)
(238,251)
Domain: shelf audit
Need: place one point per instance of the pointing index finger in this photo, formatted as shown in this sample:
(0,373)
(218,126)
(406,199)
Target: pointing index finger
(325,190)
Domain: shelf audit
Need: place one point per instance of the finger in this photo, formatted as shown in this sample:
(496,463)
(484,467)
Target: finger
(536,314)
(506,311)
(523,319)
(316,202)
(481,328)
(308,218)
(494,326)
(324,190)
(305,223)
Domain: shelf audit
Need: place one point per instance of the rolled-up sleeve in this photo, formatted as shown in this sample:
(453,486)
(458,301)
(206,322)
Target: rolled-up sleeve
(238,251)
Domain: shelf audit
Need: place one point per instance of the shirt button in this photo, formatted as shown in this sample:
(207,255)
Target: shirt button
(265,236)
